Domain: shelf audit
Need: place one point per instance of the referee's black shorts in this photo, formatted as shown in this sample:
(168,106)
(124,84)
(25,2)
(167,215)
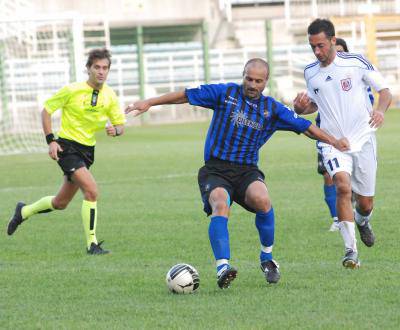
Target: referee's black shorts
(74,156)
(234,178)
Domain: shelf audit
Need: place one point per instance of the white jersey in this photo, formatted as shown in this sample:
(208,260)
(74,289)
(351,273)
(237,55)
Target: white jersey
(340,92)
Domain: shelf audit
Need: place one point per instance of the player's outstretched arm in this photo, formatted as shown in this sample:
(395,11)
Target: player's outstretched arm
(316,133)
(303,105)
(142,106)
(54,147)
(378,115)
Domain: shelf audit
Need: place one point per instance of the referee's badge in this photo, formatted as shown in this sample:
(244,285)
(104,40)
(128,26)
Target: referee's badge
(346,84)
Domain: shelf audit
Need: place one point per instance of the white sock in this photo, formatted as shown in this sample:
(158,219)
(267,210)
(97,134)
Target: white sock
(347,229)
(361,219)
(222,265)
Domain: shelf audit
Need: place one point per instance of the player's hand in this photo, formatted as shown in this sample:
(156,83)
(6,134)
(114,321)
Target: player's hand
(138,107)
(377,119)
(54,149)
(342,144)
(301,102)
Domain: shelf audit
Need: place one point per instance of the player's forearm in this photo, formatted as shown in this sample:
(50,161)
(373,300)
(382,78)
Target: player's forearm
(46,122)
(169,98)
(385,98)
(316,133)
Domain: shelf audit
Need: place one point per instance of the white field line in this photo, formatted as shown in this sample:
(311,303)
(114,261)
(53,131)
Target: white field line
(104,182)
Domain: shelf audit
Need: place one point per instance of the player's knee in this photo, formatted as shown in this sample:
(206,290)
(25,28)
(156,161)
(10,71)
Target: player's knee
(261,203)
(60,204)
(343,189)
(220,208)
(365,206)
(91,195)
(219,201)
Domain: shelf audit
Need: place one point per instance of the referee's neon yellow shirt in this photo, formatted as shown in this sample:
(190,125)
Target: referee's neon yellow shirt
(79,119)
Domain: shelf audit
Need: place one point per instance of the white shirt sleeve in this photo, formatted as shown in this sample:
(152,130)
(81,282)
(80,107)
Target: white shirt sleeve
(374,79)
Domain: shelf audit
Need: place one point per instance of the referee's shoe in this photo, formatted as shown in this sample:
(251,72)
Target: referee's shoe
(96,249)
(16,219)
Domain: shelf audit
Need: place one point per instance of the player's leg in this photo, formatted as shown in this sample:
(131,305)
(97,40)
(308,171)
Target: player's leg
(362,215)
(363,182)
(65,194)
(218,231)
(86,182)
(346,218)
(257,199)
(44,205)
(329,193)
(330,200)
(216,192)
(339,166)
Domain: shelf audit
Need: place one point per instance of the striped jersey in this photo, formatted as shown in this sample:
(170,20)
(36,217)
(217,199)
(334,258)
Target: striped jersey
(340,92)
(240,126)
(83,112)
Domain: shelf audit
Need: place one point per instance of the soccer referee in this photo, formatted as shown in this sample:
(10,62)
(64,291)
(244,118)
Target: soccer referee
(85,108)
(243,121)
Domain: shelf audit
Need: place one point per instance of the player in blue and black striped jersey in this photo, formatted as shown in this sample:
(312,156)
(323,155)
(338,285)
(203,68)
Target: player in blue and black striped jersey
(242,123)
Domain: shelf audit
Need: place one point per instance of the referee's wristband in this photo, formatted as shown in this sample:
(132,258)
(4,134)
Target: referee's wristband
(117,131)
(50,138)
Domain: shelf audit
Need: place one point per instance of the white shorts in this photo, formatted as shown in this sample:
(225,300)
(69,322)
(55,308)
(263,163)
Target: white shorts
(361,166)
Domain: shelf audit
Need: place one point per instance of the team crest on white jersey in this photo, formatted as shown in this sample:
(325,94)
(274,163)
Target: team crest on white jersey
(346,84)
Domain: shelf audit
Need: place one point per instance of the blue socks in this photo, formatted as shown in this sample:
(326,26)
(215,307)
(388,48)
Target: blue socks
(265,223)
(219,239)
(330,199)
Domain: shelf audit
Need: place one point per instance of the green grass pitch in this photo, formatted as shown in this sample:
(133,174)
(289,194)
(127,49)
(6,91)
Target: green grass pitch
(150,215)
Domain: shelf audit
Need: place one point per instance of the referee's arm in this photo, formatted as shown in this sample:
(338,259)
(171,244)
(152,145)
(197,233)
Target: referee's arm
(54,147)
(46,122)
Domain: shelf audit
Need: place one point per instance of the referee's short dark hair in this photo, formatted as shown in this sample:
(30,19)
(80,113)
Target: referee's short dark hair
(321,25)
(98,54)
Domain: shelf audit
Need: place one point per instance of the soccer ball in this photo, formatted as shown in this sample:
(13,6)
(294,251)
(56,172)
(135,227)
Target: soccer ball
(183,278)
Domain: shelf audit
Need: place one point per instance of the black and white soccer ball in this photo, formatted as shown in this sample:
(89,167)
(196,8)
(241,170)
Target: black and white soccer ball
(183,278)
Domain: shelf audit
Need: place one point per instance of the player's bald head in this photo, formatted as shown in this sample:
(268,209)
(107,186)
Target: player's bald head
(255,76)
(257,64)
